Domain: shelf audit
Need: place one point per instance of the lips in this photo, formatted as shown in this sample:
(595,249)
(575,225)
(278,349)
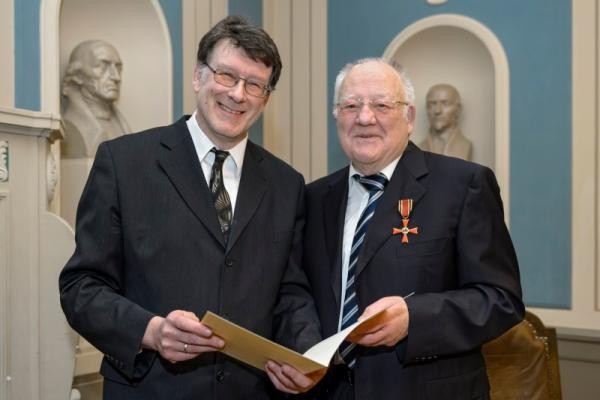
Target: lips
(229,109)
(365,136)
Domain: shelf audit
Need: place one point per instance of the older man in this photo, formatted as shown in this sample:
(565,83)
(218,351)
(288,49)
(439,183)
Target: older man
(416,234)
(443,110)
(187,218)
(90,87)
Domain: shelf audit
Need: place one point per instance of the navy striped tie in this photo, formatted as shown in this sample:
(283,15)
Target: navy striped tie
(375,184)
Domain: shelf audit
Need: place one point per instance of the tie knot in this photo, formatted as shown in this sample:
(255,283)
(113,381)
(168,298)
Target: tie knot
(220,155)
(372,183)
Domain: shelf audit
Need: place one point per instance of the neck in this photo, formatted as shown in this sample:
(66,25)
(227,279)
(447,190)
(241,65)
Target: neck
(446,133)
(100,109)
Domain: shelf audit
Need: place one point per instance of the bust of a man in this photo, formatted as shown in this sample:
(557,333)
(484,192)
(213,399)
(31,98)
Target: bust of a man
(90,87)
(443,111)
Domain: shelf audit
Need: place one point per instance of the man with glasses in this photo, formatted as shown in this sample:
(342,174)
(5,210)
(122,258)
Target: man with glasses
(417,236)
(187,218)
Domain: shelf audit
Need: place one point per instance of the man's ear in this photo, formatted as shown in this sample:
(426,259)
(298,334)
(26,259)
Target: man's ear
(267,97)
(411,114)
(78,79)
(196,80)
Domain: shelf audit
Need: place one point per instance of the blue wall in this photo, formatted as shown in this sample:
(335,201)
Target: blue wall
(27,54)
(536,35)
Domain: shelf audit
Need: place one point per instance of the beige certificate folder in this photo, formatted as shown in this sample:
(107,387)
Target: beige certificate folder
(256,350)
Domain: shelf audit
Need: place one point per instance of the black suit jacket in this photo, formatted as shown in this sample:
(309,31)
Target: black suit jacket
(149,242)
(461,266)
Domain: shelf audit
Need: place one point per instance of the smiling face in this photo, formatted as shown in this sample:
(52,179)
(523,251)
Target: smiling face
(373,140)
(226,113)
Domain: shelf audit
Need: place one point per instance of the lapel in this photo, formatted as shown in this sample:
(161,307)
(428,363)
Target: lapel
(334,203)
(178,159)
(403,185)
(253,185)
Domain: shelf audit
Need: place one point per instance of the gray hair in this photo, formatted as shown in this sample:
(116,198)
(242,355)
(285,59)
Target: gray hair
(407,86)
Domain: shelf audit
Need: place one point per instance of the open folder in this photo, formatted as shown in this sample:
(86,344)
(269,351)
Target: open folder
(255,350)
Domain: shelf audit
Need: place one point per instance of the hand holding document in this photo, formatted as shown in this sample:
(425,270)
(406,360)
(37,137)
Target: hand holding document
(256,350)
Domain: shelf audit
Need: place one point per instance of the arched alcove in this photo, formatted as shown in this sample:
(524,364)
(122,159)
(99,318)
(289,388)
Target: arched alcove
(454,49)
(146,90)
(146,93)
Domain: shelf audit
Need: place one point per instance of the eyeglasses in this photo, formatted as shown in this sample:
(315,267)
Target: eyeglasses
(378,107)
(229,79)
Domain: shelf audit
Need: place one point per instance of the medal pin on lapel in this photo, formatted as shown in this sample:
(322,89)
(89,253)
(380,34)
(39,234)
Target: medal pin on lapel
(405,207)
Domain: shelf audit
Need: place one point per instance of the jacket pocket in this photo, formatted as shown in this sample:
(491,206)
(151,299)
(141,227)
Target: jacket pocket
(428,248)
(470,385)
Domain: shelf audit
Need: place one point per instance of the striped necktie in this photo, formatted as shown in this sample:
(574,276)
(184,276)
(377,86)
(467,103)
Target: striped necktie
(375,184)
(220,195)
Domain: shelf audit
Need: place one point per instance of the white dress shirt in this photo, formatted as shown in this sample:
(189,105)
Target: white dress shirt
(358,197)
(232,167)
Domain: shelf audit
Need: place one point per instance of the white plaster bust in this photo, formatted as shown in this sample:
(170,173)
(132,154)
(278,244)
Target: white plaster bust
(443,111)
(90,88)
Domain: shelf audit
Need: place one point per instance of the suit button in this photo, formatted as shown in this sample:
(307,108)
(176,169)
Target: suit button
(220,376)
(229,262)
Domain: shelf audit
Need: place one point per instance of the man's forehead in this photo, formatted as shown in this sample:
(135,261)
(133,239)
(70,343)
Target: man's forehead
(226,54)
(105,52)
(441,93)
(373,79)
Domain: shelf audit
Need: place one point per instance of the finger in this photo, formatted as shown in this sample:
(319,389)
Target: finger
(373,339)
(374,308)
(197,340)
(197,349)
(300,380)
(177,351)
(187,324)
(279,380)
(190,315)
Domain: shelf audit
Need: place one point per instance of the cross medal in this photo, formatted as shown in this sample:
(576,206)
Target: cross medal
(405,207)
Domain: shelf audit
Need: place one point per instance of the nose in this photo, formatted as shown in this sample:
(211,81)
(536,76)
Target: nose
(237,92)
(366,116)
(114,72)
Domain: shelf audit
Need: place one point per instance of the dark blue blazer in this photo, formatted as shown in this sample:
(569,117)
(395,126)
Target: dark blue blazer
(461,266)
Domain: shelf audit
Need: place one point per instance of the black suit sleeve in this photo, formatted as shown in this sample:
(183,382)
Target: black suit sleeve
(487,299)
(296,320)
(91,291)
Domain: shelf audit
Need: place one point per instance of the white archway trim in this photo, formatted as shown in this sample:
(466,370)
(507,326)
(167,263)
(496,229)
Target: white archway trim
(50,56)
(501,83)
(165,29)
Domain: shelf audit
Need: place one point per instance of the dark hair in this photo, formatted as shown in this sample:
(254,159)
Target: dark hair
(255,42)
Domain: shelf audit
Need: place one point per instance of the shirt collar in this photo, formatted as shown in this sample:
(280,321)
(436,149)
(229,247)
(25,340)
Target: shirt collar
(204,145)
(388,171)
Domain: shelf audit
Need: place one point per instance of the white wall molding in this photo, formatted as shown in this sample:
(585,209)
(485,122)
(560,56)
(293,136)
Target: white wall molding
(5,374)
(295,120)
(198,16)
(30,123)
(49,56)
(7,53)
